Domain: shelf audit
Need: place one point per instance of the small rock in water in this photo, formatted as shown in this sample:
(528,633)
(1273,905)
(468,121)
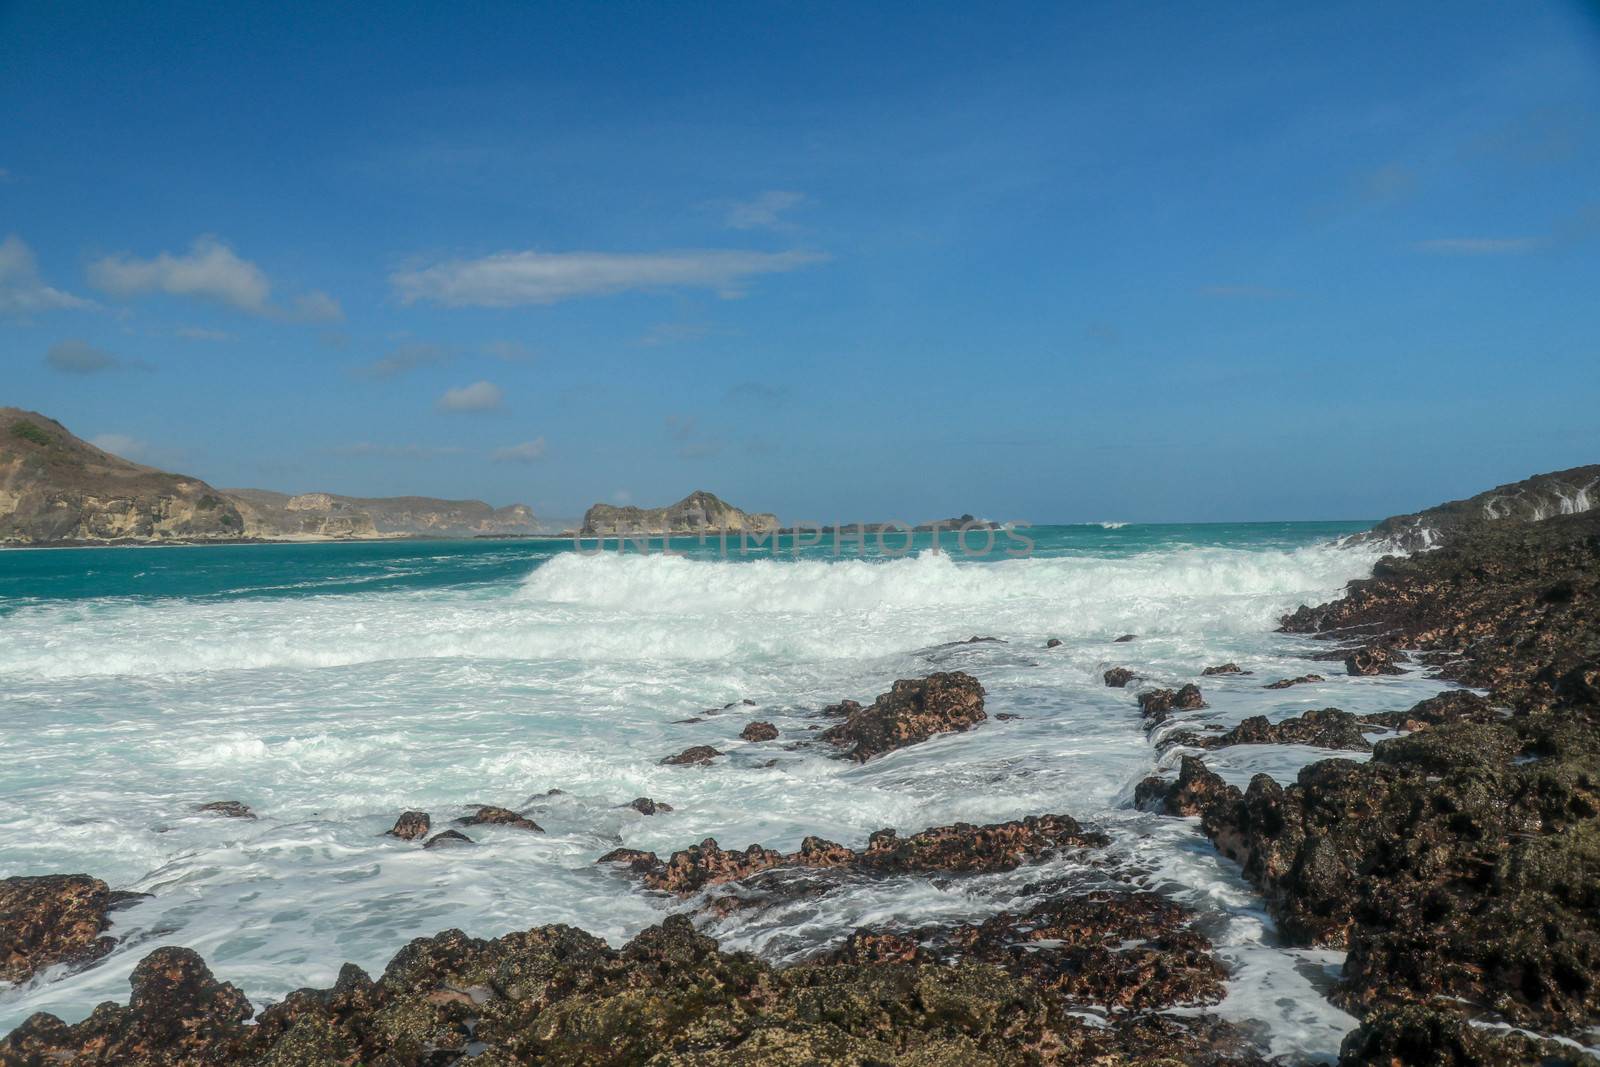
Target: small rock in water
(1054,642)
(489,815)
(692,756)
(1225,668)
(411,825)
(448,839)
(646,806)
(1118,677)
(1006,716)
(1124,639)
(1284,683)
(232,809)
(913,710)
(759,731)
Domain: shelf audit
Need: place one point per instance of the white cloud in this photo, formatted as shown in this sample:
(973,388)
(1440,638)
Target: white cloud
(765,212)
(405,358)
(479,396)
(508,279)
(79,357)
(1479,246)
(212,271)
(21,289)
(526,452)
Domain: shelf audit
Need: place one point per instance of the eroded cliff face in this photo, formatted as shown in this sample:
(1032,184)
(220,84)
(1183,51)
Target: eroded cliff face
(699,512)
(58,489)
(1543,496)
(55,487)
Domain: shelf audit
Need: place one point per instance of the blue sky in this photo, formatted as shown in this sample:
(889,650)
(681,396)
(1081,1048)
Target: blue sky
(1044,262)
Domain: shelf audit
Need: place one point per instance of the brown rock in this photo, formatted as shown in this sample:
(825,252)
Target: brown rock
(1159,704)
(1124,639)
(50,919)
(1054,642)
(1284,683)
(759,731)
(1118,677)
(448,839)
(912,711)
(489,815)
(646,806)
(694,755)
(1225,668)
(411,825)
(231,809)
(1373,659)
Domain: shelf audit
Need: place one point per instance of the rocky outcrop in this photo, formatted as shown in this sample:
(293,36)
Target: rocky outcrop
(489,815)
(411,825)
(693,756)
(1285,683)
(557,995)
(1327,728)
(1513,607)
(759,731)
(913,710)
(698,513)
(56,489)
(1455,705)
(1157,705)
(1223,668)
(1371,660)
(51,919)
(228,809)
(1118,677)
(958,848)
(1535,499)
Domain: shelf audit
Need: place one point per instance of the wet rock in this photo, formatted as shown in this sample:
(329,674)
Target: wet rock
(1418,1035)
(448,839)
(50,919)
(694,755)
(1284,683)
(489,815)
(1225,668)
(231,809)
(1006,716)
(912,711)
(1196,790)
(842,710)
(1456,705)
(1157,705)
(1054,642)
(759,731)
(646,806)
(1328,728)
(958,848)
(1371,660)
(1118,677)
(411,825)
(1124,639)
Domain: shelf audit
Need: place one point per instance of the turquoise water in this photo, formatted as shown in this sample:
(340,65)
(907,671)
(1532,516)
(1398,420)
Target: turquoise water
(331,686)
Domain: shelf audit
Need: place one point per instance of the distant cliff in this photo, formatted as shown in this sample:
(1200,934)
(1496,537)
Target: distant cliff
(56,488)
(1567,492)
(699,512)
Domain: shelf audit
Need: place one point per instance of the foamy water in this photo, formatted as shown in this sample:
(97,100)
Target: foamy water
(526,670)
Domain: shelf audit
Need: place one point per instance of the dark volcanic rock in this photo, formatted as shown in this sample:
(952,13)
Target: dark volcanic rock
(646,806)
(50,919)
(1284,683)
(694,755)
(411,825)
(1159,704)
(912,710)
(1416,1035)
(1456,705)
(448,839)
(1225,668)
(671,996)
(1196,790)
(1513,608)
(489,815)
(1118,677)
(1124,639)
(231,809)
(1519,504)
(759,731)
(1054,642)
(1328,728)
(958,848)
(1373,659)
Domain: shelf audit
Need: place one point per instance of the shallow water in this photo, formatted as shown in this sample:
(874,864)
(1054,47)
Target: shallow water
(332,686)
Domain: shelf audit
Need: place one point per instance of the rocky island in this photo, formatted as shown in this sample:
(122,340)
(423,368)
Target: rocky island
(58,489)
(698,513)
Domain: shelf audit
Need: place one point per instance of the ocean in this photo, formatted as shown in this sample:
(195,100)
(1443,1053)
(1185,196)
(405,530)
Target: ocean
(331,686)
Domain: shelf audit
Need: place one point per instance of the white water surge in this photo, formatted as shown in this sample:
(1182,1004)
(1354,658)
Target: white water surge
(331,714)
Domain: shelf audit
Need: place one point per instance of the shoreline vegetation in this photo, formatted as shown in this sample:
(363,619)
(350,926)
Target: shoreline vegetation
(1458,869)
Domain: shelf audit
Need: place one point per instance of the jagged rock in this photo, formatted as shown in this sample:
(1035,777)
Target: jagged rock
(1118,677)
(1328,728)
(1456,705)
(646,806)
(448,839)
(1418,1035)
(1157,705)
(693,756)
(960,847)
(759,731)
(1054,642)
(230,809)
(1006,716)
(1532,500)
(1196,789)
(489,815)
(54,918)
(1284,683)
(411,825)
(913,710)
(1124,639)
(698,513)
(1225,668)
(1373,659)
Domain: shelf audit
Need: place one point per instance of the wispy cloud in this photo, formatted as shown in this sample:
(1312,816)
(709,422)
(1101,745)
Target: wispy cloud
(509,279)
(209,270)
(1479,246)
(22,290)
(73,356)
(526,452)
(404,359)
(764,212)
(477,397)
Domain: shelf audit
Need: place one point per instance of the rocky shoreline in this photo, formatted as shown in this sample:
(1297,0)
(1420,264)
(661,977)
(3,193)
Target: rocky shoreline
(1458,868)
